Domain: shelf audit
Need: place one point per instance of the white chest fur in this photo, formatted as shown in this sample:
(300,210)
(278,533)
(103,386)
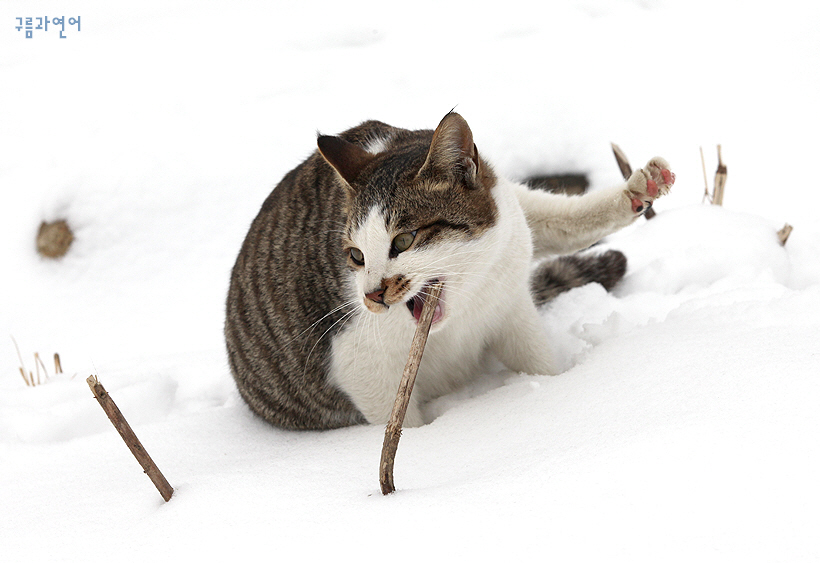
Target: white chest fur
(487,302)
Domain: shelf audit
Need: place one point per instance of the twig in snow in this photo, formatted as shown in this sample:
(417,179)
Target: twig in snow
(131,440)
(720,180)
(29,382)
(38,363)
(705,181)
(393,431)
(623,162)
(783,234)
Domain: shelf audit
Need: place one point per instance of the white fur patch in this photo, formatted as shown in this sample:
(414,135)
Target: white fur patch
(377,145)
(487,308)
(374,242)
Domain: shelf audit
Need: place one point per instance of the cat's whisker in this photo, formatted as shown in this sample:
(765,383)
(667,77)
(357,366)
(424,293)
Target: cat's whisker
(346,315)
(313,325)
(468,276)
(310,354)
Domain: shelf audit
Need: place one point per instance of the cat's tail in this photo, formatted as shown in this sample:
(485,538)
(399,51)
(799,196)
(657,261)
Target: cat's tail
(559,275)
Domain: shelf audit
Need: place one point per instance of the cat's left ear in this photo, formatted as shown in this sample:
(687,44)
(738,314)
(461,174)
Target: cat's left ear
(453,151)
(346,158)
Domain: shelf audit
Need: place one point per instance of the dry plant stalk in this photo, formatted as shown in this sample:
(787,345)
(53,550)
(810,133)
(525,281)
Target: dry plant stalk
(131,440)
(37,364)
(626,172)
(29,379)
(393,431)
(783,234)
(28,376)
(623,162)
(720,180)
(705,180)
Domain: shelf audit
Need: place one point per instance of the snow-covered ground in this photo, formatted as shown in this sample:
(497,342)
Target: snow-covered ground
(686,425)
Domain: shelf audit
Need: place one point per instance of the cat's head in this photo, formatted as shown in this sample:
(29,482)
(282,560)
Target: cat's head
(418,206)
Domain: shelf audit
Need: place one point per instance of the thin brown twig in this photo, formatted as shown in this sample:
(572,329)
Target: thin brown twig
(720,180)
(131,440)
(39,362)
(22,365)
(393,431)
(783,234)
(705,180)
(623,162)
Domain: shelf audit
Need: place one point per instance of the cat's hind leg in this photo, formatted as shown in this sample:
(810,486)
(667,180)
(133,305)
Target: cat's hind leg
(522,344)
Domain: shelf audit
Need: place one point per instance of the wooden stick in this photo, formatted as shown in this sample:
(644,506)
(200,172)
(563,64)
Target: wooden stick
(393,431)
(705,181)
(38,363)
(626,171)
(22,365)
(783,234)
(623,162)
(131,440)
(23,373)
(58,366)
(720,180)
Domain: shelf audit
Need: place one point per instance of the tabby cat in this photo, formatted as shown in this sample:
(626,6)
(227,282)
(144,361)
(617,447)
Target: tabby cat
(330,281)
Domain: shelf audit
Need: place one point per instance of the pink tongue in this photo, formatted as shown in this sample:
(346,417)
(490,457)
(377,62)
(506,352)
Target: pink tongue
(418,305)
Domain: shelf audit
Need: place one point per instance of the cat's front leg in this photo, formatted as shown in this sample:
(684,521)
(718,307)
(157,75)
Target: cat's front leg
(650,182)
(561,225)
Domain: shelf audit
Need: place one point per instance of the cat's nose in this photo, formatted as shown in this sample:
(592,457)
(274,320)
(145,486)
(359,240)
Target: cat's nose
(377,296)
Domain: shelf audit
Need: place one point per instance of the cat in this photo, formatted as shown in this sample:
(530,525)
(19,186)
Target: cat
(328,286)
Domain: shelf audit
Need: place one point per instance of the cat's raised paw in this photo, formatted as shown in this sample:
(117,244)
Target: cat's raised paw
(652,181)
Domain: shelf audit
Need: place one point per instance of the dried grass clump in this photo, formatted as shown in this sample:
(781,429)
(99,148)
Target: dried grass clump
(716,197)
(54,239)
(32,378)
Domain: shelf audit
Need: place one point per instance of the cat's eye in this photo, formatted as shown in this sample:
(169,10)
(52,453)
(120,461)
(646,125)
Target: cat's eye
(403,241)
(357,256)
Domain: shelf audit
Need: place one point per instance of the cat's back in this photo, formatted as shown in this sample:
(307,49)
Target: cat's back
(287,296)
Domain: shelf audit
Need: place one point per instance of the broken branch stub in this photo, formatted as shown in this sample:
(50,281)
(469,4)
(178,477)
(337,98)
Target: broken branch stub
(393,431)
(130,439)
(720,180)
(623,162)
(783,234)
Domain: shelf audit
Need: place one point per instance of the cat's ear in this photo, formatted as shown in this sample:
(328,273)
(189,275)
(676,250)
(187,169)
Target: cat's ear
(346,158)
(453,150)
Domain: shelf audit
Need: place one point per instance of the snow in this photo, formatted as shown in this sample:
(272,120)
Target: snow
(685,425)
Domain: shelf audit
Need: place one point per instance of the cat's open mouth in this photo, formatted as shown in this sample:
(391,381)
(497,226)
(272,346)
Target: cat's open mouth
(416,303)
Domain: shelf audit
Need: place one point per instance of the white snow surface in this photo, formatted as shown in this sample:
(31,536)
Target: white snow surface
(685,425)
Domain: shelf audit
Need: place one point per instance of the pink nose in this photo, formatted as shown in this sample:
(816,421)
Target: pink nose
(377,296)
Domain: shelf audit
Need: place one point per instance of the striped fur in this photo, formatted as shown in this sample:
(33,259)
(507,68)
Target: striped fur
(290,286)
(565,272)
(317,262)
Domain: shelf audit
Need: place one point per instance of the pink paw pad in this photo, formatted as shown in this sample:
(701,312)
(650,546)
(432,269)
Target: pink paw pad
(668,176)
(651,188)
